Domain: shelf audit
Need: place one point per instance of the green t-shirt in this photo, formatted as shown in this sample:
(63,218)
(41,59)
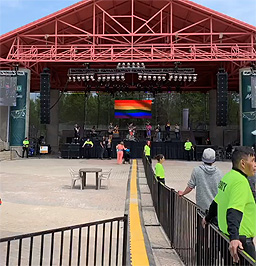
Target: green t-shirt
(160,170)
(234,192)
(188,146)
(147,150)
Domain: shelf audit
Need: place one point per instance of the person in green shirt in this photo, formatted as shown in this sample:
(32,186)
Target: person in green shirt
(25,147)
(235,205)
(88,144)
(160,175)
(147,151)
(188,149)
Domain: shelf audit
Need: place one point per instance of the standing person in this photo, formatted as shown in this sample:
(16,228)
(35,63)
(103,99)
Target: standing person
(25,147)
(102,147)
(148,130)
(110,129)
(177,131)
(160,175)
(205,178)
(88,144)
(109,147)
(120,152)
(147,151)
(168,130)
(188,149)
(235,205)
(158,133)
(76,133)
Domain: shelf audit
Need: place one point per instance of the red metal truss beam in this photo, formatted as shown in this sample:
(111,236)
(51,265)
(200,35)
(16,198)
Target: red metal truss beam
(106,39)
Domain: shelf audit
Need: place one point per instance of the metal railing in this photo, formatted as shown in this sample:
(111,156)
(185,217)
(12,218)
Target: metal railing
(97,243)
(181,220)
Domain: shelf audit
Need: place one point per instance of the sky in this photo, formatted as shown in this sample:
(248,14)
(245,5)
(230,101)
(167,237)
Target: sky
(16,13)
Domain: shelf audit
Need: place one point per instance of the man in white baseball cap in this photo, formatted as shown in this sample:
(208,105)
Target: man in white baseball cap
(205,178)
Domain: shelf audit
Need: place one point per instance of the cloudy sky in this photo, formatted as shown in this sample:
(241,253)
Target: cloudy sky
(16,13)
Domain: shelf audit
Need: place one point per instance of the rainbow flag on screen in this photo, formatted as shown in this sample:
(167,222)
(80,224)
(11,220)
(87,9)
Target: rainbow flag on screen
(133,109)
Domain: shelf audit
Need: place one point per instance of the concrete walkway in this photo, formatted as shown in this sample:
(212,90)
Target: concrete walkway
(36,196)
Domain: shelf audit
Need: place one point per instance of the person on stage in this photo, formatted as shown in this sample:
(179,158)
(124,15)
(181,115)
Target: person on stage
(148,130)
(168,130)
(76,133)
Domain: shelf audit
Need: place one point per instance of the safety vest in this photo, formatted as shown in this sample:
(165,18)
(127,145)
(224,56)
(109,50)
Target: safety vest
(147,150)
(88,143)
(25,143)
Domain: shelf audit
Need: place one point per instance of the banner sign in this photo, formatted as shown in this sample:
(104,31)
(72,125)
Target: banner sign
(248,106)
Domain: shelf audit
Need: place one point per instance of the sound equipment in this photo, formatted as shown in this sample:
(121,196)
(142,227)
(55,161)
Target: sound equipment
(222,99)
(45,98)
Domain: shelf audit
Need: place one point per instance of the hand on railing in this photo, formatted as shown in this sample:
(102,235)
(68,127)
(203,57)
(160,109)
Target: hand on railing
(233,246)
(204,223)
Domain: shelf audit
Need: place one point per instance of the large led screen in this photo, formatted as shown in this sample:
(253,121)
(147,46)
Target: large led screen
(133,109)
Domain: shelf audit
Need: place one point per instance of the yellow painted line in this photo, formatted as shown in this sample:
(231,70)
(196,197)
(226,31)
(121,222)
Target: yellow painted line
(138,251)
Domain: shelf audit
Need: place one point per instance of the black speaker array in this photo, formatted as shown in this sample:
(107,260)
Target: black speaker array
(222,99)
(45,98)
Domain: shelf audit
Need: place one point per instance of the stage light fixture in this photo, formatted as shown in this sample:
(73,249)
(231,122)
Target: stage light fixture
(103,78)
(133,65)
(123,78)
(154,78)
(113,78)
(117,78)
(163,78)
(143,65)
(69,78)
(144,77)
(108,78)
(74,78)
(139,77)
(119,65)
(194,78)
(92,77)
(83,78)
(185,78)
(123,64)
(175,77)
(128,65)
(170,77)
(78,78)
(189,78)
(149,77)
(159,78)
(99,78)
(87,78)
(138,64)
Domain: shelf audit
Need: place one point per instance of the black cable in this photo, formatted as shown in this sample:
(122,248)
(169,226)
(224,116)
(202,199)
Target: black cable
(65,87)
(16,152)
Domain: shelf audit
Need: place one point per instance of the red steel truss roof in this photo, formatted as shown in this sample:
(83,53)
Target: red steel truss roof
(157,32)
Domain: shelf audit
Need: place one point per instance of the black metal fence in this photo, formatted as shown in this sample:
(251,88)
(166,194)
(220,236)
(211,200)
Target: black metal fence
(181,220)
(97,243)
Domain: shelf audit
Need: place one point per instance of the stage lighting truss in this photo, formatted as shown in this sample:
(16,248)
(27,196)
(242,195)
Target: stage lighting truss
(151,76)
(118,74)
(129,65)
(79,78)
(182,77)
(110,77)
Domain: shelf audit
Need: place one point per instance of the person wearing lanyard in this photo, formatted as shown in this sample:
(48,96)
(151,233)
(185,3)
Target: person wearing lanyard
(235,204)
(120,152)
(147,151)
(160,175)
